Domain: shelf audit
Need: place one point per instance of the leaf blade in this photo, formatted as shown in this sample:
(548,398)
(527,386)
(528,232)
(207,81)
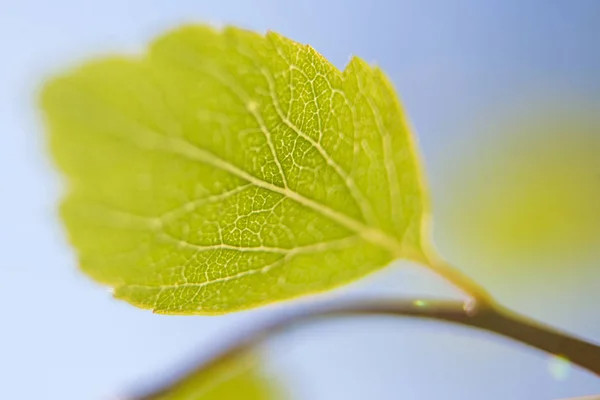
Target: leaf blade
(200,174)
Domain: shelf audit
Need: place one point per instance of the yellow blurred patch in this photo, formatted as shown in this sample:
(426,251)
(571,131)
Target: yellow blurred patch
(531,191)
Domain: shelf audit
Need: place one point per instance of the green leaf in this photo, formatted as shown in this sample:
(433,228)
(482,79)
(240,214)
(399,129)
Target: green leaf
(236,376)
(226,170)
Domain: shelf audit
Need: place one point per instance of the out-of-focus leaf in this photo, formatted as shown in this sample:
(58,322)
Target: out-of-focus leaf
(530,193)
(236,377)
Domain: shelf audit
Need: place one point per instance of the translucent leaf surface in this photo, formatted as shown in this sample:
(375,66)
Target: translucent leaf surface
(224,170)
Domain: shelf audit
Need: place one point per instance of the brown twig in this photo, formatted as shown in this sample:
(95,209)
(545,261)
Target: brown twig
(489,318)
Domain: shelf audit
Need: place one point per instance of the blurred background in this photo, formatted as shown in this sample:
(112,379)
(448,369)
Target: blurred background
(505,100)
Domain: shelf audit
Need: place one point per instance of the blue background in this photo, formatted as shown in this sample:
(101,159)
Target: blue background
(64,337)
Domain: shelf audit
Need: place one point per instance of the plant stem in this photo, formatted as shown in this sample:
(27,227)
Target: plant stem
(488,315)
(431,260)
(494,319)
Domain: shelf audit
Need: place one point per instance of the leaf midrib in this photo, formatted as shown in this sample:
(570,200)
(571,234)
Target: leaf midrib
(209,68)
(369,233)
